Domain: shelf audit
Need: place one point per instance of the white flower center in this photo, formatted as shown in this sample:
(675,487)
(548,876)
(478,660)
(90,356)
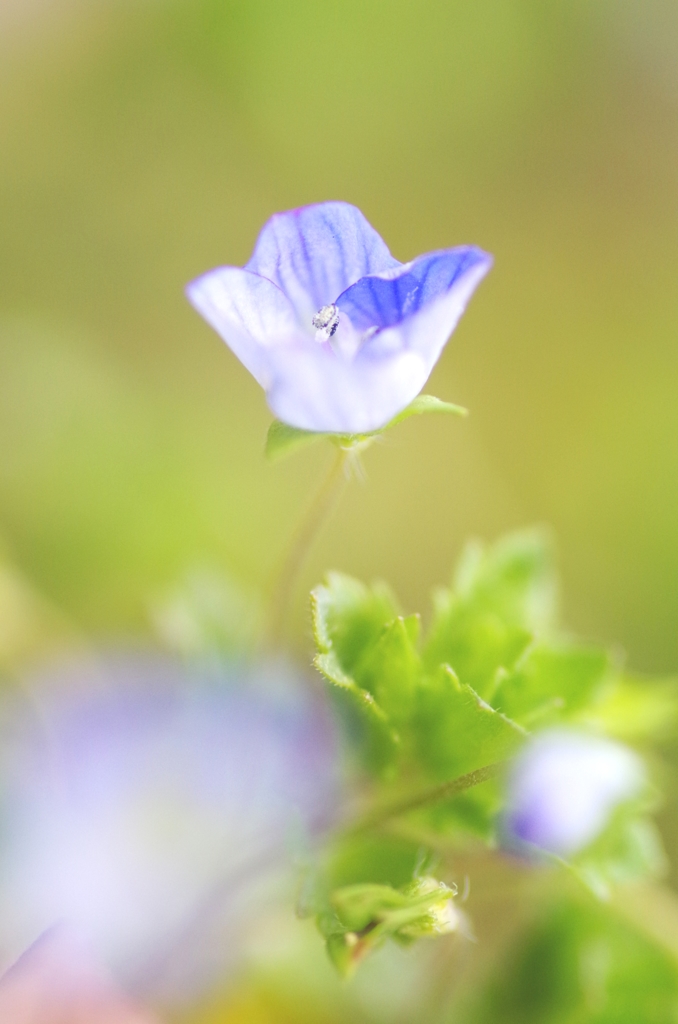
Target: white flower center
(325,322)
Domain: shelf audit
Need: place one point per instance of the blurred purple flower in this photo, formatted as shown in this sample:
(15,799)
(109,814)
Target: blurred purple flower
(564,787)
(339,334)
(151,809)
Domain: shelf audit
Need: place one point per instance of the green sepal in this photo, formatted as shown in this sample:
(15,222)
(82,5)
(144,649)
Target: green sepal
(283,440)
(425,404)
(370,913)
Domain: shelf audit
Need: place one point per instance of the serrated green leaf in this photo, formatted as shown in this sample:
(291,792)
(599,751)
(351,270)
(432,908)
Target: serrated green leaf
(551,683)
(349,617)
(283,440)
(424,404)
(391,668)
(501,597)
(367,724)
(348,620)
(456,731)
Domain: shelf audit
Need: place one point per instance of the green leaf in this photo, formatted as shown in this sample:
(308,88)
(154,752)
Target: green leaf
(635,708)
(348,620)
(629,848)
(424,404)
(501,597)
(282,440)
(582,963)
(390,670)
(457,732)
(473,812)
(551,683)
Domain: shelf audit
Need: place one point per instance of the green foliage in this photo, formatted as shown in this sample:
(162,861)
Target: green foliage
(426,709)
(635,709)
(349,621)
(582,964)
(283,440)
(500,598)
(628,850)
(456,731)
(553,681)
(363,916)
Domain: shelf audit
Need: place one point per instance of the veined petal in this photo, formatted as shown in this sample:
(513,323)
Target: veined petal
(314,388)
(385,299)
(316,252)
(426,330)
(248,311)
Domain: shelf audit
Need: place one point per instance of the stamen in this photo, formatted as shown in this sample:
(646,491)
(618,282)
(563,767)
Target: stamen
(325,322)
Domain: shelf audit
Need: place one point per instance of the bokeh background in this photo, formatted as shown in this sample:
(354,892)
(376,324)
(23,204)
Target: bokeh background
(144,142)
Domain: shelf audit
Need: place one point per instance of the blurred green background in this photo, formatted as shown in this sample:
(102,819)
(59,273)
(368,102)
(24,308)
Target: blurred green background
(142,143)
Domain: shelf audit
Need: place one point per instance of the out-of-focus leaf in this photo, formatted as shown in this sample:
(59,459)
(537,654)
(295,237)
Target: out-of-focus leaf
(582,963)
(501,597)
(473,813)
(635,708)
(206,613)
(365,915)
(628,850)
(550,683)
(456,731)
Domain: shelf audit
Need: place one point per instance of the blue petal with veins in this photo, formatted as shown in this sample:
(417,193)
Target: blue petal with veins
(314,253)
(384,300)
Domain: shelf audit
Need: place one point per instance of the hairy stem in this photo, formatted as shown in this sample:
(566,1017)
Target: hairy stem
(317,514)
(429,796)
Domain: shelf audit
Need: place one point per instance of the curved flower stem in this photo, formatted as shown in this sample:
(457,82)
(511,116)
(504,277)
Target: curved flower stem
(429,796)
(317,514)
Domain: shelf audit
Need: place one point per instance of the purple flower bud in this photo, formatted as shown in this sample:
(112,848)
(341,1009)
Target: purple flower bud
(564,787)
(339,334)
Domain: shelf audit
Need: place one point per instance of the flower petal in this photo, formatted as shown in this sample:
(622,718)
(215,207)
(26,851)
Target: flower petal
(315,252)
(314,388)
(427,329)
(384,300)
(248,311)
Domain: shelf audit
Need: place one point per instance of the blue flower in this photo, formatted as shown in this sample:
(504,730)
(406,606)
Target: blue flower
(340,335)
(564,788)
